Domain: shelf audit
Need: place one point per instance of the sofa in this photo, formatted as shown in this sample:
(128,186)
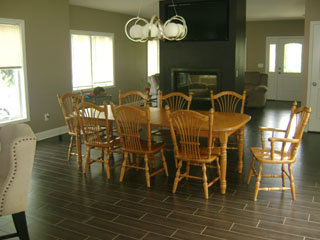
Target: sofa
(256,85)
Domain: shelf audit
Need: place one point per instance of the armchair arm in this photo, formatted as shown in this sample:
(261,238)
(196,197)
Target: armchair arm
(261,88)
(273,140)
(271,129)
(267,129)
(284,140)
(18,148)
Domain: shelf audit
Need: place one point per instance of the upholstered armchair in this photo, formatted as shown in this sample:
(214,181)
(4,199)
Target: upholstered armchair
(18,144)
(256,85)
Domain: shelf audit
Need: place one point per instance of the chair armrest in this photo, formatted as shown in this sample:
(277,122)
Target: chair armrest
(271,129)
(289,140)
(273,140)
(16,159)
(261,88)
(267,129)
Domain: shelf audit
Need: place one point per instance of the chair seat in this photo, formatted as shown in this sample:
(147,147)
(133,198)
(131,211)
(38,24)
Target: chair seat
(114,141)
(264,155)
(204,158)
(155,147)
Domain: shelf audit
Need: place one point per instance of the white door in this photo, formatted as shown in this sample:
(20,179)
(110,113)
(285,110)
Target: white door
(284,68)
(314,77)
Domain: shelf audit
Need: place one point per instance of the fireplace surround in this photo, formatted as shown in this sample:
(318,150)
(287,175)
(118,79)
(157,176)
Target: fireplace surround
(199,82)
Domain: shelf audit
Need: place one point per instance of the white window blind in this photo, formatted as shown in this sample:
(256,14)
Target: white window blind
(13,95)
(92,59)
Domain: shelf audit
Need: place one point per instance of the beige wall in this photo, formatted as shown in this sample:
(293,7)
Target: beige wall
(47,25)
(312,14)
(257,32)
(47,54)
(130,58)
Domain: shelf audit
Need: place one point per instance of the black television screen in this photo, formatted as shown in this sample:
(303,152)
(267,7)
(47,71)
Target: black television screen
(206,20)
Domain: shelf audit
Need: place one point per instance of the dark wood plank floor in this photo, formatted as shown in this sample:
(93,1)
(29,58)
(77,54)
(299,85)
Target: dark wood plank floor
(66,204)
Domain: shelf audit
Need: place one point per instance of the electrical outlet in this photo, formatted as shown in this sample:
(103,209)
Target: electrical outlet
(46,116)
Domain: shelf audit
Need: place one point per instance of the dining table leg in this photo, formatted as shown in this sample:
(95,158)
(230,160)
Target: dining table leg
(223,162)
(240,149)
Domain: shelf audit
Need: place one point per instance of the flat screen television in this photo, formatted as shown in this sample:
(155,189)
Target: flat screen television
(207,20)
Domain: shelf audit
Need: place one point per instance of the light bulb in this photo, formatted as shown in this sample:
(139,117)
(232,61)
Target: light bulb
(171,30)
(153,31)
(181,29)
(136,31)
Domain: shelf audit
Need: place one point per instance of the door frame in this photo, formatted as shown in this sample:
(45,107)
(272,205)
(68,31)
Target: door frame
(270,39)
(313,24)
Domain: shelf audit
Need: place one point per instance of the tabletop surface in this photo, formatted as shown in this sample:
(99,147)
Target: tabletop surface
(222,121)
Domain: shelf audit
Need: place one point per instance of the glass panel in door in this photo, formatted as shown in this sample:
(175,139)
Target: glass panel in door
(292,58)
(272,57)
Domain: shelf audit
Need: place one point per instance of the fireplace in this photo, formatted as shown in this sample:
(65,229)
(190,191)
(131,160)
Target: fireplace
(199,82)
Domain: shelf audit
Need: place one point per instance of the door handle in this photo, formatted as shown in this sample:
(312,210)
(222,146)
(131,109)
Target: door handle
(314,84)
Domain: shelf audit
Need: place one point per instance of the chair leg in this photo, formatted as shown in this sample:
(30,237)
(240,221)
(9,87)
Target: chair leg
(205,180)
(20,224)
(87,163)
(146,160)
(103,154)
(293,189)
(106,161)
(123,168)
(251,170)
(164,162)
(137,161)
(177,178)
(283,175)
(256,190)
(188,170)
(70,147)
(175,162)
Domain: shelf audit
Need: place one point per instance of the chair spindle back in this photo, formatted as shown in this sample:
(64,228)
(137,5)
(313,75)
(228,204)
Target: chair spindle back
(228,101)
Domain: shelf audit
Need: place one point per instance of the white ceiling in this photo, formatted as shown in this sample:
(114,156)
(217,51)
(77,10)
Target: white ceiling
(257,10)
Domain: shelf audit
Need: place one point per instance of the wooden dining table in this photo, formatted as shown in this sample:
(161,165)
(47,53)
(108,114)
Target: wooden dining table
(224,125)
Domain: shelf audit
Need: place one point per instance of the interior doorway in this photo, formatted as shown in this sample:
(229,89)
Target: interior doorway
(284,67)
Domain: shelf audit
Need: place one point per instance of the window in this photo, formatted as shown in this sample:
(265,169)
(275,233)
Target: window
(153,57)
(272,58)
(92,59)
(292,58)
(13,76)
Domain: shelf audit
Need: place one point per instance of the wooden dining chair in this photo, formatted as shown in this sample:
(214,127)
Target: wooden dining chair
(68,104)
(176,100)
(190,126)
(129,121)
(133,98)
(229,101)
(97,134)
(282,150)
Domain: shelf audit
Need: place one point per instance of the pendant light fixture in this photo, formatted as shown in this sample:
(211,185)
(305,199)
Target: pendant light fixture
(139,29)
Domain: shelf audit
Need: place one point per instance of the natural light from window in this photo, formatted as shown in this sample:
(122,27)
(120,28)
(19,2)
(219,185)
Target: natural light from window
(92,59)
(272,58)
(292,58)
(153,57)
(13,97)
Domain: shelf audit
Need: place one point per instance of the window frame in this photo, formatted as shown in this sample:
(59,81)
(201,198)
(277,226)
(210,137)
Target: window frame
(23,85)
(92,33)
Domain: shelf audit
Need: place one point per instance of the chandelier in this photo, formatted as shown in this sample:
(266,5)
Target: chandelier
(139,29)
